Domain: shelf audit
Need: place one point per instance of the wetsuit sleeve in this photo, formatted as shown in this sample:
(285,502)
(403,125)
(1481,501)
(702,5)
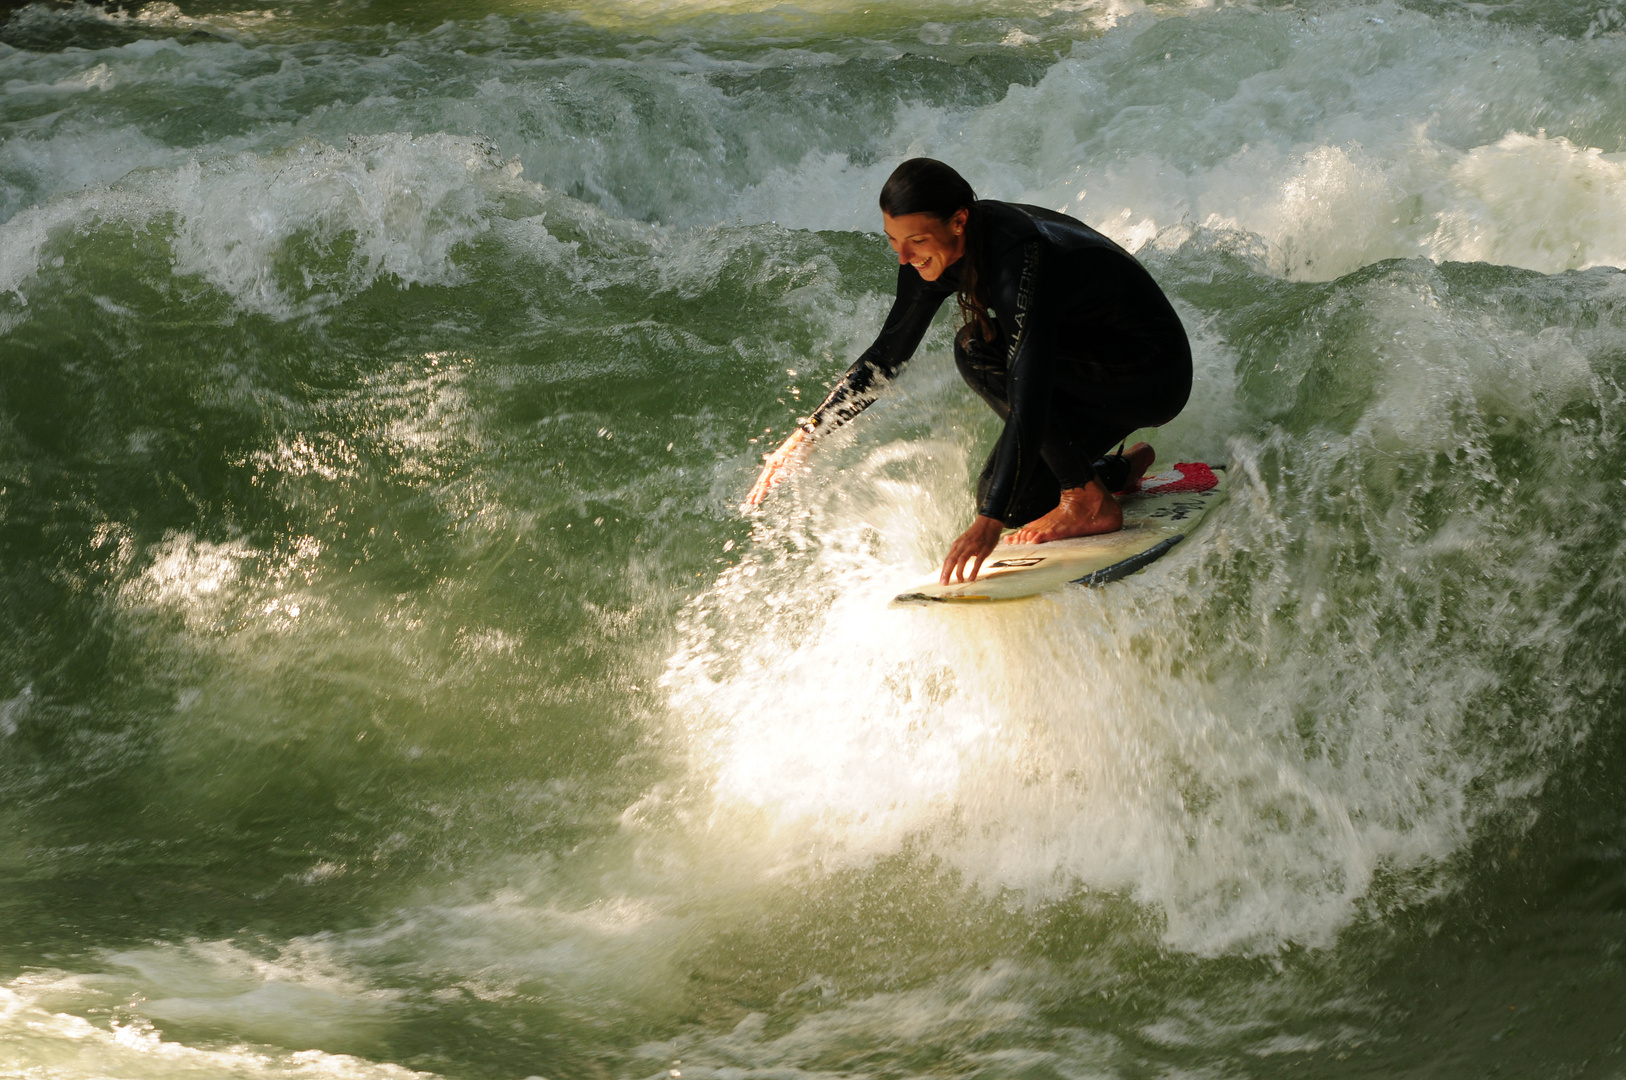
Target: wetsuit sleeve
(1030,363)
(905,325)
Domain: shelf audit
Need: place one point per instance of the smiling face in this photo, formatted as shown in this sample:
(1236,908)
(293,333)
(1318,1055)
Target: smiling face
(926,242)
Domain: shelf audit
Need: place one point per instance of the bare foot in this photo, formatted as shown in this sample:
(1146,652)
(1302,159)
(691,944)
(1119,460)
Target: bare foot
(1140,458)
(1083,511)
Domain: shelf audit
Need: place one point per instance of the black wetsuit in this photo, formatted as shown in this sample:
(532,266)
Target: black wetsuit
(1086,350)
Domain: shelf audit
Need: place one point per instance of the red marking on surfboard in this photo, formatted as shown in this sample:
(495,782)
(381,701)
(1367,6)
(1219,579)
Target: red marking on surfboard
(1185,476)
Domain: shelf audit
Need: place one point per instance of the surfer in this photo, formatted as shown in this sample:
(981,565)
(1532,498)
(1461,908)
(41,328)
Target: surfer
(1065,336)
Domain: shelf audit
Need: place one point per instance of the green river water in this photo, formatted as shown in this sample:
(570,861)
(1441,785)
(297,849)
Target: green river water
(390,685)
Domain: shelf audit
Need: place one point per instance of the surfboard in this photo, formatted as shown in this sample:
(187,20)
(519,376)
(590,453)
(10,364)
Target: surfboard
(1163,512)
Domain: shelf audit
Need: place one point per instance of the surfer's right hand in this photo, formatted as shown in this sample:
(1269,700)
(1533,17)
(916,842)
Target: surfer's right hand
(777,468)
(973,546)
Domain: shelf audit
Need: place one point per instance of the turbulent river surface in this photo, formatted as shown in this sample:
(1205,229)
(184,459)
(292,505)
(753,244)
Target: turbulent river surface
(390,685)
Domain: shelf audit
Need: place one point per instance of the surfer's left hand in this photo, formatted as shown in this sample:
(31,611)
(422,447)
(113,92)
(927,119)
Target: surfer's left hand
(973,546)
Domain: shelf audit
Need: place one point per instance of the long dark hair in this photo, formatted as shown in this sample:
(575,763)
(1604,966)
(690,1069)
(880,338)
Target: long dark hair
(927,186)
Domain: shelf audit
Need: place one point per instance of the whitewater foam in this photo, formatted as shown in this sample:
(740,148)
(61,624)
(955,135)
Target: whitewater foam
(294,231)
(52,1009)
(1148,128)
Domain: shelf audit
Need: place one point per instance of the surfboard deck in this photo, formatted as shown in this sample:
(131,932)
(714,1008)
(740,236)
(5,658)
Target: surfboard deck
(1163,512)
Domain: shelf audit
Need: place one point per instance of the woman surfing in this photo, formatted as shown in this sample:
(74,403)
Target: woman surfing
(1065,336)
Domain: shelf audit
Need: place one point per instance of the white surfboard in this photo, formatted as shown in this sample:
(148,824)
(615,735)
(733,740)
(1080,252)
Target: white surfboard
(1163,512)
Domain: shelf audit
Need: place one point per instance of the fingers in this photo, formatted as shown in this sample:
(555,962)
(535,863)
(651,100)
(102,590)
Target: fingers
(775,471)
(770,477)
(963,552)
(759,491)
(760,488)
(970,549)
(968,553)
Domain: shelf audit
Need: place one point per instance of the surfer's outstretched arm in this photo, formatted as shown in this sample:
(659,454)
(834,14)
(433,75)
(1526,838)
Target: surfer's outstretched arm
(917,301)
